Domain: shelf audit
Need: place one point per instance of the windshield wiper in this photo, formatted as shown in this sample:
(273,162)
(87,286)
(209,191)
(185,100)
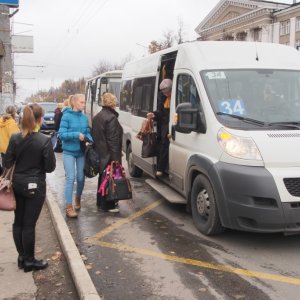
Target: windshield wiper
(245,119)
(291,124)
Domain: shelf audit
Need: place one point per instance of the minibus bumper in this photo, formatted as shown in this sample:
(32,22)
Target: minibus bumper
(248,199)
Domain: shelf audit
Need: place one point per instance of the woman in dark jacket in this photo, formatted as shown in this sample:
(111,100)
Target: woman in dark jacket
(162,116)
(33,154)
(107,135)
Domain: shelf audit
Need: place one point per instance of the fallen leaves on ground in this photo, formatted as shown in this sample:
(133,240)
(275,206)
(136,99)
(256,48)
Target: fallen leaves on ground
(57,255)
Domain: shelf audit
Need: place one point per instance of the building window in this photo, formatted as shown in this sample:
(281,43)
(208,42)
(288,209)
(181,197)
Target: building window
(298,24)
(285,27)
(257,34)
(241,36)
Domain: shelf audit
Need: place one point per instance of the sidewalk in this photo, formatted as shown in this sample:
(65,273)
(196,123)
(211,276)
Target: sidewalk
(17,285)
(14,283)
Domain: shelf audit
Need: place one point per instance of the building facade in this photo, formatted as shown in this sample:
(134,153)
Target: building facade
(6,63)
(246,20)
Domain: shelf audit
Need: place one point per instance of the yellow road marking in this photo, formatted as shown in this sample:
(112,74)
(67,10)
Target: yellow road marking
(95,240)
(119,223)
(199,263)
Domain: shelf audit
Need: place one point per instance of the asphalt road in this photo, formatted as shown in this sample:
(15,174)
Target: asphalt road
(151,250)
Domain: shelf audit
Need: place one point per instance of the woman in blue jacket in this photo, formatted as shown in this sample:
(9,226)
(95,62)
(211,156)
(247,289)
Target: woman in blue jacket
(73,130)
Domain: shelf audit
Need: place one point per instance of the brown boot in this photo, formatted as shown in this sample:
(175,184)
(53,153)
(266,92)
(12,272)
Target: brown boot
(77,203)
(70,212)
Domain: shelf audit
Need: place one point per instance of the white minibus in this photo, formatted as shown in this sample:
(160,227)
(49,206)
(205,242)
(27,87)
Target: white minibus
(96,86)
(234,154)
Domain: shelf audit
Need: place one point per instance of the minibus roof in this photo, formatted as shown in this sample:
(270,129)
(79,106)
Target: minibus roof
(203,55)
(113,73)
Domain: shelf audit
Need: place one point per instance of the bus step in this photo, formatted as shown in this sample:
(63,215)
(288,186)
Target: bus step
(166,191)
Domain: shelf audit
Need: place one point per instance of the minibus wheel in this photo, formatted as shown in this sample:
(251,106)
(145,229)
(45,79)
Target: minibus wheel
(204,207)
(133,170)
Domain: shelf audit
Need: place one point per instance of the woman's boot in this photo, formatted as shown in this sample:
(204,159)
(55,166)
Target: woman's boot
(70,212)
(77,202)
(33,264)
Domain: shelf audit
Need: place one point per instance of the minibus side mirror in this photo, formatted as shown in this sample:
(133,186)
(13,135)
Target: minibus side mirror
(189,119)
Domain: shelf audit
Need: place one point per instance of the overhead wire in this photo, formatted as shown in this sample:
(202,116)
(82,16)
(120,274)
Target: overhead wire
(85,5)
(90,17)
(81,10)
(84,15)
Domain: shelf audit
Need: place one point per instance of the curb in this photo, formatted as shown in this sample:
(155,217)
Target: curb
(83,282)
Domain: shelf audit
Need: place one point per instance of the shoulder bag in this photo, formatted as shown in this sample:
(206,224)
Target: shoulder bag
(149,138)
(58,145)
(7,196)
(91,162)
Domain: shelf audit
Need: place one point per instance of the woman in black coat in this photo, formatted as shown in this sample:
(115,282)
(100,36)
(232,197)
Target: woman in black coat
(162,117)
(107,135)
(34,157)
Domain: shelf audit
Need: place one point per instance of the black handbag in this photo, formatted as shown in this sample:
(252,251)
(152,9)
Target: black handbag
(150,146)
(58,145)
(91,162)
(118,185)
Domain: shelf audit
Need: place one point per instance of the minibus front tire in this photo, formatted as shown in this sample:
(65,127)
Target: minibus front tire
(204,207)
(133,170)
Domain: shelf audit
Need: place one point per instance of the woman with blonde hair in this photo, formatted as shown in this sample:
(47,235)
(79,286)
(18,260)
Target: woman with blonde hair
(73,130)
(32,154)
(107,134)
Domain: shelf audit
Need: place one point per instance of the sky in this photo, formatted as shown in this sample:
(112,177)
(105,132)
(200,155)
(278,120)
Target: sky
(71,37)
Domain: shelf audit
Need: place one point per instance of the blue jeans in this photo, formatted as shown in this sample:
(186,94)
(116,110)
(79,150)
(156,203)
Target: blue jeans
(73,165)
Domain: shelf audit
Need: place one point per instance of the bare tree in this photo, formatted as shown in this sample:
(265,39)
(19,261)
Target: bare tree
(180,32)
(103,66)
(121,64)
(168,40)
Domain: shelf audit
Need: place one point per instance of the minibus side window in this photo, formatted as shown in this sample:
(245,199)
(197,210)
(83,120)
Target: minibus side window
(92,90)
(186,91)
(142,96)
(126,96)
(97,90)
(137,99)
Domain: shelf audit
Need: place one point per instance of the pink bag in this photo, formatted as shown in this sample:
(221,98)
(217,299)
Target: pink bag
(7,196)
(115,185)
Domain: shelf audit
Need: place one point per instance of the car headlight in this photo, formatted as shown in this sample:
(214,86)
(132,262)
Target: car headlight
(238,146)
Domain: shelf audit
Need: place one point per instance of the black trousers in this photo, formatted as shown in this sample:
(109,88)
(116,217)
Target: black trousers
(2,163)
(101,200)
(163,156)
(26,215)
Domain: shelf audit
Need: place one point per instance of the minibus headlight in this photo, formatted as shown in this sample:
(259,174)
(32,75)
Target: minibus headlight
(238,146)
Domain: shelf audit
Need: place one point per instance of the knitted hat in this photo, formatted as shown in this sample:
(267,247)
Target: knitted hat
(166,84)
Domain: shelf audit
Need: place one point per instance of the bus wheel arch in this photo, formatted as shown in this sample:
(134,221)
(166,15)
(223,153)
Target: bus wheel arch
(133,170)
(204,205)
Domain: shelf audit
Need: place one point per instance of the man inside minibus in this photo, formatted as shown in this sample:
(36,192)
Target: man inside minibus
(162,117)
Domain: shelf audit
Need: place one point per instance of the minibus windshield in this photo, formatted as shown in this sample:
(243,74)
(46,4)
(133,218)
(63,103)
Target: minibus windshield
(267,96)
